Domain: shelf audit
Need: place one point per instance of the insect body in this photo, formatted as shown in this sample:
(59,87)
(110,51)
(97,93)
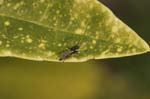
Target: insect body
(69,52)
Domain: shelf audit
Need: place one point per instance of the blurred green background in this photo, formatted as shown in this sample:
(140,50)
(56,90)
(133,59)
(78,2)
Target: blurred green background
(120,78)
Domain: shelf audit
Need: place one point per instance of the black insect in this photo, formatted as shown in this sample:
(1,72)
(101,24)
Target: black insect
(69,52)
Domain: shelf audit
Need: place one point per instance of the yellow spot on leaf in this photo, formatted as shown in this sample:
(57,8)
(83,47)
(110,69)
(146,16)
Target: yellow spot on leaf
(7,45)
(42,46)
(91,6)
(20,28)
(40,12)
(94,41)
(133,50)
(118,40)
(6,23)
(22,41)
(114,29)
(0,42)
(91,47)
(79,31)
(22,3)
(119,49)
(57,11)
(28,39)
(16,6)
(42,1)
(8,4)
(59,45)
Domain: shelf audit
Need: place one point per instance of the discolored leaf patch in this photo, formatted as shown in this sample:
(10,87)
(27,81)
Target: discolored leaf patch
(45,29)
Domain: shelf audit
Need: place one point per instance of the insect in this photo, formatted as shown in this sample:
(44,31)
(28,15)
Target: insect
(69,52)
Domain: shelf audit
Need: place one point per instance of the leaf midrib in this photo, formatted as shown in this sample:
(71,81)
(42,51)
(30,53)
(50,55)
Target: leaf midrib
(33,22)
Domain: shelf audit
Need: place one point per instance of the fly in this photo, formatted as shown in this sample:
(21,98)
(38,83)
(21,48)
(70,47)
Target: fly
(69,52)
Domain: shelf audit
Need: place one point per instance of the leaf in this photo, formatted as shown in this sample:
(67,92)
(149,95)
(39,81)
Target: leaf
(44,29)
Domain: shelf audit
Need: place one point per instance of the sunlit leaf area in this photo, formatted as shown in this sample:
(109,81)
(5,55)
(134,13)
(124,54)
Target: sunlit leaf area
(112,78)
(70,30)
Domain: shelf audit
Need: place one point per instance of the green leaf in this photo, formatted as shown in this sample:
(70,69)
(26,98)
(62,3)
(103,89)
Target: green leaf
(44,29)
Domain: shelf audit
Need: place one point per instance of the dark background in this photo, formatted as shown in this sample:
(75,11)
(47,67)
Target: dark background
(120,78)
